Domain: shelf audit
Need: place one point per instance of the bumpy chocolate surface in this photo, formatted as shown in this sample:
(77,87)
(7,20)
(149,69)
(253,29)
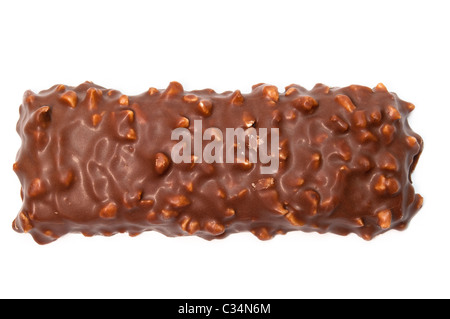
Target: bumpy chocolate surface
(96,161)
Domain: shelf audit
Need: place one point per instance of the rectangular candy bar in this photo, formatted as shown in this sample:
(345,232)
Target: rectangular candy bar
(96,161)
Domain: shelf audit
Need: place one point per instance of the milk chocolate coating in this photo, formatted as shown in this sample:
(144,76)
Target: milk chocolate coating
(95,161)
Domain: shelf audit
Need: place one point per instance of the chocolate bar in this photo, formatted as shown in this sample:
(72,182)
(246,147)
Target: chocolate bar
(98,162)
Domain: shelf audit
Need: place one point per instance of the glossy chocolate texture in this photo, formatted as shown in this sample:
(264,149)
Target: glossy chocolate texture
(95,161)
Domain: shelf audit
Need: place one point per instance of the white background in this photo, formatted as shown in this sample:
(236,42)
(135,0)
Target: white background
(228,45)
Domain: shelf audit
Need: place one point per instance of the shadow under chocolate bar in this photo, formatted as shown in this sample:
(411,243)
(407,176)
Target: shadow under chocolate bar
(96,161)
